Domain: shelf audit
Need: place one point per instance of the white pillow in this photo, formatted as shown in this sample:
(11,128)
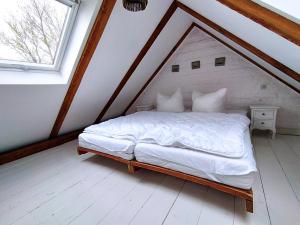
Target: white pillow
(211,102)
(172,103)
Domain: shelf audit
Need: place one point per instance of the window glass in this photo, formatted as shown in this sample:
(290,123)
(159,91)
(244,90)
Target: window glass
(31,31)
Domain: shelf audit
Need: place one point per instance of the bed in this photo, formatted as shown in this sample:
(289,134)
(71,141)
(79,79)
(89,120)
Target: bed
(218,155)
(115,147)
(235,172)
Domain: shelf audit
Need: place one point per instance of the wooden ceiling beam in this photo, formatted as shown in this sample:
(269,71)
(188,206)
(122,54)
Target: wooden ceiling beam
(267,18)
(138,59)
(293,74)
(89,49)
(247,58)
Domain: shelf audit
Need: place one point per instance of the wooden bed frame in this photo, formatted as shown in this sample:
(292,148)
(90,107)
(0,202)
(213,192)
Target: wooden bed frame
(133,165)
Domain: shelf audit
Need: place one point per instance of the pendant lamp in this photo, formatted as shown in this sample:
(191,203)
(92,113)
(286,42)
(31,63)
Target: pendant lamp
(135,5)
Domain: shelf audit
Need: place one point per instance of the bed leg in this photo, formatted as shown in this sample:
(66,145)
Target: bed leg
(131,169)
(249,206)
(80,152)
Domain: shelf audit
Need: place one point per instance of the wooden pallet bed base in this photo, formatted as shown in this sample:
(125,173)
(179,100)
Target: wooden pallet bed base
(242,193)
(133,165)
(82,151)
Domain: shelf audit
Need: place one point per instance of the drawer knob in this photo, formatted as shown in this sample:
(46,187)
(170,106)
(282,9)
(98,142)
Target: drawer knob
(262,123)
(263,114)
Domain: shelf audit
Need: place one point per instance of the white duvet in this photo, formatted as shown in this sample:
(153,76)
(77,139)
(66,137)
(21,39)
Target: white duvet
(216,133)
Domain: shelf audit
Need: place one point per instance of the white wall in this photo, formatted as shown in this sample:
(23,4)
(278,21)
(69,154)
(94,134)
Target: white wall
(246,83)
(167,39)
(28,112)
(124,37)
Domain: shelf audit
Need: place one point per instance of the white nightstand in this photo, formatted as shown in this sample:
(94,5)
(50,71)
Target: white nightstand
(264,118)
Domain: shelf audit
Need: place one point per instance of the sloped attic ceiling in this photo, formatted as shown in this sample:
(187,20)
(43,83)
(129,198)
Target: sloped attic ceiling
(247,84)
(255,34)
(125,35)
(87,101)
(115,54)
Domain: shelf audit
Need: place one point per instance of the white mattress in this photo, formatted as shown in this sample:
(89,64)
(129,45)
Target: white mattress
(235,172)
(217,133)
(112,146)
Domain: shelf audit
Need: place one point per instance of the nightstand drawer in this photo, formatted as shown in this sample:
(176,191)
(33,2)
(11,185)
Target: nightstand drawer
(264,114)
(263,124)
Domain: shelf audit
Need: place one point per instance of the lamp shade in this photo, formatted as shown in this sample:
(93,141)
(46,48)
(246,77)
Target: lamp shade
(135,5)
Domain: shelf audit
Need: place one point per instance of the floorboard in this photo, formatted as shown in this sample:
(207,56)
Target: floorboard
(192,197)
(59,187)
(293,142)
(47,213)
(106,202)
(28,176)
(78,205)
(156,209)
(219,209)
(290,163)
(261,214)
(33,198)
(126,209)
(282,203)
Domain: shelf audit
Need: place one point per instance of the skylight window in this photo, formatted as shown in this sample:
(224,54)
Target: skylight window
(34,33)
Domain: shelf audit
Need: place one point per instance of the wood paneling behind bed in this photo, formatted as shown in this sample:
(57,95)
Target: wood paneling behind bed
(247,84)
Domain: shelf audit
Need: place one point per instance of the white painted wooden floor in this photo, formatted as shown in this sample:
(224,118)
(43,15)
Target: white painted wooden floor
(59,187)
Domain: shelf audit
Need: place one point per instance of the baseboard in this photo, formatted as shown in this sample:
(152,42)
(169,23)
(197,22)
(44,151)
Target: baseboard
(288,131)
(38,147)
(31,149)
